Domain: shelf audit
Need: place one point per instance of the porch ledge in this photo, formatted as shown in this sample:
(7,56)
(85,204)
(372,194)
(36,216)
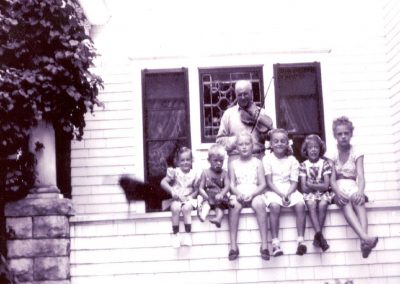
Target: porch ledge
(372,205)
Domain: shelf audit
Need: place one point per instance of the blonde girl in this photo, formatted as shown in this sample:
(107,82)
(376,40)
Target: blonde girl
(247,182)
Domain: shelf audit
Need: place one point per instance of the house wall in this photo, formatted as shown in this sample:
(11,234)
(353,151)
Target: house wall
(392,30)
(356,43)
(347,38)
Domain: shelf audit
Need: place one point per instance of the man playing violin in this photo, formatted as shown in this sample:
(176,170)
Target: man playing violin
(244,116)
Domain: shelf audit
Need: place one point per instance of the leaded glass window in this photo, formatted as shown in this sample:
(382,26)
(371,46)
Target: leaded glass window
(217,94)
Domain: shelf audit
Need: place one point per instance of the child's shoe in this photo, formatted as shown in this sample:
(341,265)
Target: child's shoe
(186,239)
(317,240)
(276,250)
(323,243)
(176,240)
(301,249)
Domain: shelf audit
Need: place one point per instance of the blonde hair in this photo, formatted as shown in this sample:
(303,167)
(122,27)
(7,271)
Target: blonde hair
(216,150)
(343,120)
(244,134)
(313,138)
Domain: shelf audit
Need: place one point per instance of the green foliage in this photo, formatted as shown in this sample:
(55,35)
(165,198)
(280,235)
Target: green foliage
(45,60)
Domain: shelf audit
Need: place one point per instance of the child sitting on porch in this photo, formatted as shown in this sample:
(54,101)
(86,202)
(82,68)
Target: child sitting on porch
(282,174)
(180,182)
(348,183)
(246,175)
(214,186)
(315,177)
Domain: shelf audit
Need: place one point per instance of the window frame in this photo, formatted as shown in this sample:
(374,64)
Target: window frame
(320,104)
(228,69)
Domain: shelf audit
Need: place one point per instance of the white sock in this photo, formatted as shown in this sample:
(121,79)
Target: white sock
(275,242)
(300,239)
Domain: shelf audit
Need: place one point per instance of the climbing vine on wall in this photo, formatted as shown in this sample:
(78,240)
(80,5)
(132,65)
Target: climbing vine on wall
(45,60)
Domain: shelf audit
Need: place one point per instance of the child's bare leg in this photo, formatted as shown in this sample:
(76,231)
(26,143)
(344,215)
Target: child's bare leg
(352,220)
(175,212)
(312,212)
(219,214)
(275,211)
(300,210)
(204,211)
(322,209)
(259,208)
(362,215)
(233,216)
(187,213)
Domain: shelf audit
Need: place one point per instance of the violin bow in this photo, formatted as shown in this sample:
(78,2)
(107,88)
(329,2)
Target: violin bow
(262,105)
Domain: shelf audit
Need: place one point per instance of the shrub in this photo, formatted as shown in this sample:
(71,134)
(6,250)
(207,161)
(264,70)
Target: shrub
(45,60)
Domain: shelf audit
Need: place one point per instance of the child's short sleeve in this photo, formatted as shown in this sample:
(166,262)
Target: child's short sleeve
(303,170)
(294,169)
(356,152)
(267,165)
(171,173)
(326,168)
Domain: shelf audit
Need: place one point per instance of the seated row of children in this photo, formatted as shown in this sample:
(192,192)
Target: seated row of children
(273,182)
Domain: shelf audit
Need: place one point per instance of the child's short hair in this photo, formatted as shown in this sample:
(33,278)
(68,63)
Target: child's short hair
(180,151)
(283,131)
(313,138)
(244,134)
(216,150)
(343,120)
(278,130)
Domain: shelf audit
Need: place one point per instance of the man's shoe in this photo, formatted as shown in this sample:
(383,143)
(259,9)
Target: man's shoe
(264,253)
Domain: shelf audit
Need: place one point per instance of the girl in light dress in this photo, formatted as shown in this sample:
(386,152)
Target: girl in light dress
(181,183)
(282,174)
(348,183)
(247,183)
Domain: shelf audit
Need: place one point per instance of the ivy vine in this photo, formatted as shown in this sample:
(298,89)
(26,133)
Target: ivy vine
(45,60)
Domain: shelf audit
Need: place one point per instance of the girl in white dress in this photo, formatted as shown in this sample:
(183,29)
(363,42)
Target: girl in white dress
(282,175)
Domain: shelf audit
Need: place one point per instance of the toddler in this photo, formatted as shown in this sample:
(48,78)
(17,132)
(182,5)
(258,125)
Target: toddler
(315,177)
(246,175)
(180,182)
(348,183)
(282,174)
(214,185)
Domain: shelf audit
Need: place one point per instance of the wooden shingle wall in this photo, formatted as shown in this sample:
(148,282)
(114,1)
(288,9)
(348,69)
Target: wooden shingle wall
(392,29)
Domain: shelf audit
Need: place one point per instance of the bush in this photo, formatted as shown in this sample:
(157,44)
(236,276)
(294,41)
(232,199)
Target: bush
(45,59)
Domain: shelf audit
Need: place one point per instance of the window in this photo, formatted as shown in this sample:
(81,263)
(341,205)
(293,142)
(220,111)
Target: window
(299,106)
(166,126)
(217,94)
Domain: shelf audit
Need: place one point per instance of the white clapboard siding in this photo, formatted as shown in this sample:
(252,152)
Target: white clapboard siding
(139,249)
(360,78)
(392,28)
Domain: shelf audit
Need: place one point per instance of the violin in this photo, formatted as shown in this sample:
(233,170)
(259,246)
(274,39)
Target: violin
(250,116)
